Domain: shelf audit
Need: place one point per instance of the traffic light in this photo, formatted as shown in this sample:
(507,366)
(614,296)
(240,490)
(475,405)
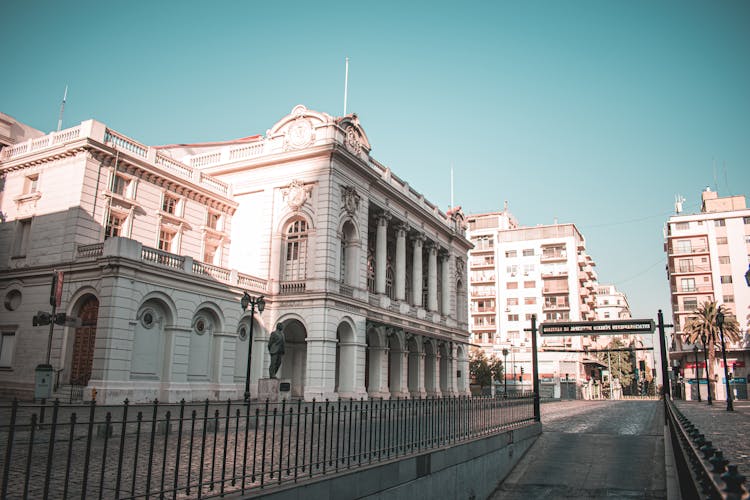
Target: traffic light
(42,318)
(522,370)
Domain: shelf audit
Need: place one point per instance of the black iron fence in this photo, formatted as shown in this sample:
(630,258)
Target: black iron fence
(703,471)
(199,450)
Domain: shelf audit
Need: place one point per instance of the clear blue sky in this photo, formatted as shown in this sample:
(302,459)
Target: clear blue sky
(591,112)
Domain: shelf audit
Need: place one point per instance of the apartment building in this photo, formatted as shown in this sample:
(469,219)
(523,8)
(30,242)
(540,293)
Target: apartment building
(707,258)
(516,272)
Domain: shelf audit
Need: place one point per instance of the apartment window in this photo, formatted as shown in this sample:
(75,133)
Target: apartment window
(681,226)
(511,285)
(690,303)
(688,284)
(511,253)
(115,224)
(213,220)
(512,270)
(165,240)
(120,185)
(728,299)
(606,315)
(528,252)
(209,254)
(484,243)
(684,246)
(513,317)
(529,301)
(169,204)
(686,266)
(529,284)
(296,251)
(720,223)
(724,259)
(746,220)
(21,239)
(726,279)
(528,317)
(721,240)
(30,184)
(528,269)
(7,346)
(512,301)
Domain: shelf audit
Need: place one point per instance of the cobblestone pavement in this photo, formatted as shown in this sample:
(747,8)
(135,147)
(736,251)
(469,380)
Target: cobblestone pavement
(593,449)
(729,431)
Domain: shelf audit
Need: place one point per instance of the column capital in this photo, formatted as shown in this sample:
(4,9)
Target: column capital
(444,254)
(418,239)
(402,229)
(383,217)
(432,246)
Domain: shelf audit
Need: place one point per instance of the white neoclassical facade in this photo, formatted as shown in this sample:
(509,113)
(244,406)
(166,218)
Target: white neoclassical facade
(158,243)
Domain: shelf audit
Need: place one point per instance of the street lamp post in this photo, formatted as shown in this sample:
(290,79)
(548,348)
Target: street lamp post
(697,382)
(720,322)
(505,373)
(705,358)
(253,302)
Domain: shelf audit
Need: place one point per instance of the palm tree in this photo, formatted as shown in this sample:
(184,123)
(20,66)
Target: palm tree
(702,327)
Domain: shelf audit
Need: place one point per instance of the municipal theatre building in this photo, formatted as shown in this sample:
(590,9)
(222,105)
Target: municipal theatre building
(156,246)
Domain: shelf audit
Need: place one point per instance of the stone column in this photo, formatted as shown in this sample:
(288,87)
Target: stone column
(400,279)
(416,270)
(381,241)
(445,293)
(432,303)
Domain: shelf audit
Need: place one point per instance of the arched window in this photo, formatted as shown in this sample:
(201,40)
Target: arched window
(296,251)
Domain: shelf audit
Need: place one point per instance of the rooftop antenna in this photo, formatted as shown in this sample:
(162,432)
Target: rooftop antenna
(716,184)
(346,84)
(62,109)
(678,201)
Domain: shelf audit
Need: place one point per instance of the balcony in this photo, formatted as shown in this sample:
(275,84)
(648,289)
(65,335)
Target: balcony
(553,256)
(483,310)
(555,274)
(693,289)
(688,251)
(555,291)
(480,263)
(693,269)
(549,306)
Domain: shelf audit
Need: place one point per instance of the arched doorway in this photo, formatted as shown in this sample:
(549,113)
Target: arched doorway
(346,360)
(294,362)
(84,342)
(395,365)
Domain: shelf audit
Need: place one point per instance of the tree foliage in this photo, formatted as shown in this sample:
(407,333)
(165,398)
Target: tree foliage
(702,327)
(483,369)
(621,363)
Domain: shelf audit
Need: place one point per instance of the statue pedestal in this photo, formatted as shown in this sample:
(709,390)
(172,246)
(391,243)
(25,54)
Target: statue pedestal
(274,390)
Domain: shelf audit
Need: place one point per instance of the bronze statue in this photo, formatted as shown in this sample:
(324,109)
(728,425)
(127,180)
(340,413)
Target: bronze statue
(276,349)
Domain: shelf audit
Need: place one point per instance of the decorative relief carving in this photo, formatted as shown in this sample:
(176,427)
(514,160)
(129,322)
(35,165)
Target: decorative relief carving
(296,194)
(350,199)
(460,268)
(352,141)
(299,135)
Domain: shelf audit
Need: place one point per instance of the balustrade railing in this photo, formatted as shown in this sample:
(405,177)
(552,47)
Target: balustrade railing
(164,258)
(291,287)
(93,250)
(211,270)
(125,143)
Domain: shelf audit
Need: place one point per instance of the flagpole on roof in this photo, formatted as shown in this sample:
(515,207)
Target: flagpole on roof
(62,109)
(346,83)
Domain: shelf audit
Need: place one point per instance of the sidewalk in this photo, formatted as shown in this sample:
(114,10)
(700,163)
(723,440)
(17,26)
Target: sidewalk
(727,430)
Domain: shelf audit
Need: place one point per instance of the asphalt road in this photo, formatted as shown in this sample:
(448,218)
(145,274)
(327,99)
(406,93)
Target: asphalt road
(593,449)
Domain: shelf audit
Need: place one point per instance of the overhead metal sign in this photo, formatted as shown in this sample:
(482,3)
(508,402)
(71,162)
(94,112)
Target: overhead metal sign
(613,327)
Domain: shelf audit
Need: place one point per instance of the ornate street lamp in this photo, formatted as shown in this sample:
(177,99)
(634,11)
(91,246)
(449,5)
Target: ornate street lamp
(720,322)
(705,358)
(697,382)
(505,373)
(253,302)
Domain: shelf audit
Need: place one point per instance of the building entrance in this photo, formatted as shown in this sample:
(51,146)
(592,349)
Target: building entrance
(83,345)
